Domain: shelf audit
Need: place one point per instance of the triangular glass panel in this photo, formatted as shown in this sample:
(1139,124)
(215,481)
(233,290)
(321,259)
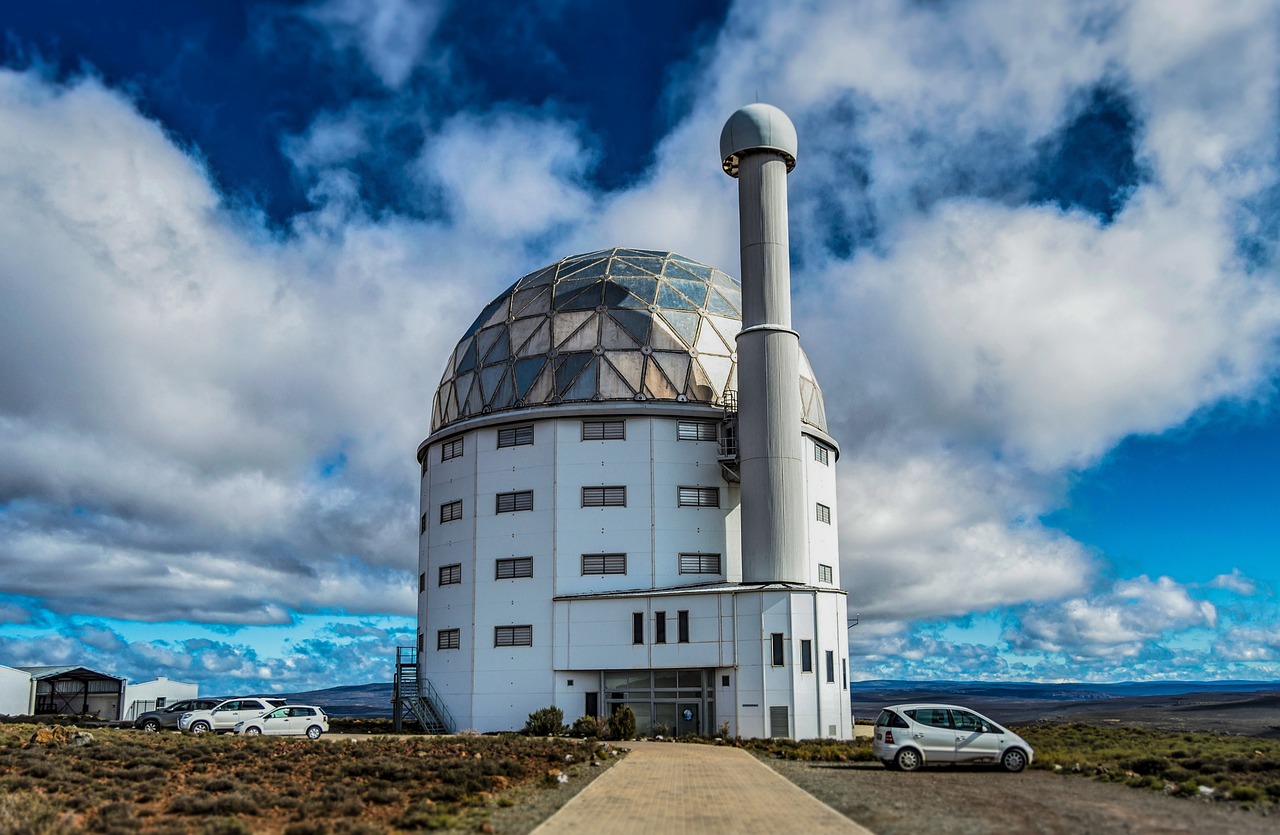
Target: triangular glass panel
(584,388)
(663,338)
(630,366)
(615,293)
(672,300)
(566,290)
(641,253)
(614,337)
(475,401)
(716,304)
(694,291)
(584,338)
(543,387)
(584,268)
(612,386)
(588,299)
(818,411)
(699,387)
(725,281)
(634,322)
(522,329)
(526,371)
(676,268)
(675,366)
(650,265)
(539,278)
(485,339)
(645,289)
(489,379)
(727,328)
(655,384)
(468,361)
(709,342)
(702,271)
(566,324)
(568,370)
(540,342)
(618,267)
(717,370)
(504,397)
(501,350)
(533,300)
(685,324)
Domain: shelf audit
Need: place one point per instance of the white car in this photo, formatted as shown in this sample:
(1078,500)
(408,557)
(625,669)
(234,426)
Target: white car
(223,717)
(290,720)
(910,736)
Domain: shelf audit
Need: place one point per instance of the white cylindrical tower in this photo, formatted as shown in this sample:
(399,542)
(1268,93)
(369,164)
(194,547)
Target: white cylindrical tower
(758,147)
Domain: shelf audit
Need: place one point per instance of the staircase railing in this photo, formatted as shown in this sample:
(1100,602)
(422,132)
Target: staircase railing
(427,708)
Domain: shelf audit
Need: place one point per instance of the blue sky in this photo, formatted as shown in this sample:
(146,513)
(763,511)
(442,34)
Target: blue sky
(1034,261)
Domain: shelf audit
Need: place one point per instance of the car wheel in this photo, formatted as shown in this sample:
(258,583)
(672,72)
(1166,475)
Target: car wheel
(314,732)
(151,726)
(254,731)
(199,727)
(908,759)
(1014,760)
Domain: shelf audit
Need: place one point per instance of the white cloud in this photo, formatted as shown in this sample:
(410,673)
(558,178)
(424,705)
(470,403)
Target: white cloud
(1236,582)
(390,35)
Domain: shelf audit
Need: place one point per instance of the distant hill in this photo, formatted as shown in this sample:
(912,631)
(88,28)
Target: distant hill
(366,701)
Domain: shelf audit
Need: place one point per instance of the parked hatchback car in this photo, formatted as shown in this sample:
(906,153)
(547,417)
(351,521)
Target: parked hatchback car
(910,736)
(290,720)
(222,718)
(167,717)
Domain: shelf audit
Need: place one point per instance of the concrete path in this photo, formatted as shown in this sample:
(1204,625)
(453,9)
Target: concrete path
(672,788)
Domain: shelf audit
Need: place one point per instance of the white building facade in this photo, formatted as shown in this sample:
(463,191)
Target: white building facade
(580,516)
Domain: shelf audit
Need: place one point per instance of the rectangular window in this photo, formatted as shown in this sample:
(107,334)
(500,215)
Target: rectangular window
(511,502)
(824,573)
(448,639)
(824,513)
(451,511)
(776,641)
(451,449)
(604,563)
(424,466)
(831,665)
(604,430)
(422,581)
(450,574)
(419,642)
(512,568)
(637,627)
(698,496)
(682,626)
(422,524)
(515,436)
(659,627)
(821,454)
(844,673)
(604,497)
(696,430)
(513,636)
(699,563)
(806,655)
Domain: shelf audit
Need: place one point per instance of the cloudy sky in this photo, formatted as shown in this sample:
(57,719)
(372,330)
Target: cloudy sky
(1034,257)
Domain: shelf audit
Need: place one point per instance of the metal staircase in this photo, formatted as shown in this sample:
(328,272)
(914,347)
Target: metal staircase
(408,700)
(727,435)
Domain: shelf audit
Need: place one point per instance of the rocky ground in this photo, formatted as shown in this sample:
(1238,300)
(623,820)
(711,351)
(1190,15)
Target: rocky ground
(955,801)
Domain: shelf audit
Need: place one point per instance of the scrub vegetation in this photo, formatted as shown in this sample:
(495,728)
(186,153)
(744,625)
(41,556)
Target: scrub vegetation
(125,781)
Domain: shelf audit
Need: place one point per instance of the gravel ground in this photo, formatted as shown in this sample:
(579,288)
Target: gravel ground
(955,801)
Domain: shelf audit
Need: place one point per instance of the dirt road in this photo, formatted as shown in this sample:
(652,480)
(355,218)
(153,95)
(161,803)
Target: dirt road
(947,801)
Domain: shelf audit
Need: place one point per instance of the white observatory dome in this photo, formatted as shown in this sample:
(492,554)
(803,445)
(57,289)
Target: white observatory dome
(612,325)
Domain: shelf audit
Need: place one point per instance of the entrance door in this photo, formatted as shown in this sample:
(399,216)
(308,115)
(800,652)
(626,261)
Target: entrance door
(593,704)
(687,723)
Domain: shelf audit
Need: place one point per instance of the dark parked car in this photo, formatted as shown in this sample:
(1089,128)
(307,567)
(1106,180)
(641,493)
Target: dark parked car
(167,717)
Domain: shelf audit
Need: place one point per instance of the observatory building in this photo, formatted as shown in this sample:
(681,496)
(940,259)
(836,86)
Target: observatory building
(629,493)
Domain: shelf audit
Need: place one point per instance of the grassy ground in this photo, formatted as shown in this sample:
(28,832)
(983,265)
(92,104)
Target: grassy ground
(125,781)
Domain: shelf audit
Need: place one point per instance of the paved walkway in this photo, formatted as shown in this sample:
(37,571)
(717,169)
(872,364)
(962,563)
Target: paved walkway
(672,788)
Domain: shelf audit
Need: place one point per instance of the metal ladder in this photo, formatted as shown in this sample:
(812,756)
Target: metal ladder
(427,709)
(727,436)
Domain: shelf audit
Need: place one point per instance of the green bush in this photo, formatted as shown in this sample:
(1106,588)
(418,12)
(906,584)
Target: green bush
(547,721)
(622,724)
(590,727)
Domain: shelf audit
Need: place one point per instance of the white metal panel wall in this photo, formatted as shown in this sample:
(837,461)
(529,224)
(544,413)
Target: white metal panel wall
(15,692)
(823,538)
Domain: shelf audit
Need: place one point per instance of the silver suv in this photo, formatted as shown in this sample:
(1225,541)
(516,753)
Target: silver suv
(910,736)
(224,716)
(167,717)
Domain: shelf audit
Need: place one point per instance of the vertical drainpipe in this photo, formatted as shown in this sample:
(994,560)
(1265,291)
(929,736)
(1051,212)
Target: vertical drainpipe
(758,148)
